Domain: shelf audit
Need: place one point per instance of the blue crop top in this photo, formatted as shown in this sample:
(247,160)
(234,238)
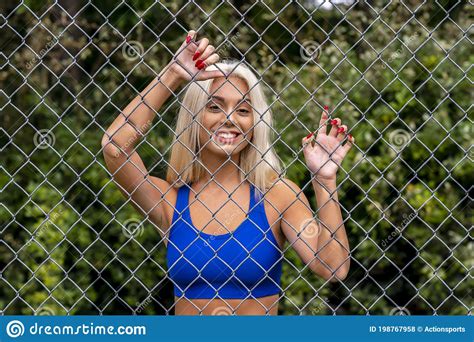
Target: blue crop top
(245,263)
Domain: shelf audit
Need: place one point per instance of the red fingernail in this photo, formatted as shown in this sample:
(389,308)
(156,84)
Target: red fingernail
(340,130)
(349,136)
(196,55)
(201,66)
(199,61)
(333,122)
(326,107)
(309,135)
(188,39)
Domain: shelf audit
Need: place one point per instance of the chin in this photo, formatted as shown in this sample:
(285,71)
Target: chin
(226,150)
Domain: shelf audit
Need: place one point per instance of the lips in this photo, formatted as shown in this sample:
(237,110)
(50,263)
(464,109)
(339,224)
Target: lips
(226,137)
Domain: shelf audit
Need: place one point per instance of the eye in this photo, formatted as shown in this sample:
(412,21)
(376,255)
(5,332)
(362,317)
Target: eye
(244,111)
(213,108)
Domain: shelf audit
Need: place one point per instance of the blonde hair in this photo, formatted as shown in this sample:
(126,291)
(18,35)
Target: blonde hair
(259,162)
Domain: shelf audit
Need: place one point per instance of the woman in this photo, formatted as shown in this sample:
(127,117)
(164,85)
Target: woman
(225,241)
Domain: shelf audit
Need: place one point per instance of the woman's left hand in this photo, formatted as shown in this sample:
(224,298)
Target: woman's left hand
(324,158)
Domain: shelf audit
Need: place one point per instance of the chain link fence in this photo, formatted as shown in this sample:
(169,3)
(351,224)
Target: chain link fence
(397,72)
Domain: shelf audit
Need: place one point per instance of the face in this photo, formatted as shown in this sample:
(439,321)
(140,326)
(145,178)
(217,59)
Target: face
(227,118)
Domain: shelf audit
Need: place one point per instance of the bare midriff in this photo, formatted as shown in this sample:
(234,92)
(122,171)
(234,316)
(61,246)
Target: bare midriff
(259,306)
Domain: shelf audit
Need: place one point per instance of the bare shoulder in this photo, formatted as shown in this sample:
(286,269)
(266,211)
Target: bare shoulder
(284,192)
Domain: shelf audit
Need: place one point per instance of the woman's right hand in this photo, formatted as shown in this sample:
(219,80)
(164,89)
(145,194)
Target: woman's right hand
(192,58)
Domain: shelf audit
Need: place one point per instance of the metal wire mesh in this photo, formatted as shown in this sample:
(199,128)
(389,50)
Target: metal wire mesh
(398,73)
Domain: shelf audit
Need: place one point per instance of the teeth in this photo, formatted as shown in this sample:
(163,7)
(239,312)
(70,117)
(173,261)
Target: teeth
(227,135)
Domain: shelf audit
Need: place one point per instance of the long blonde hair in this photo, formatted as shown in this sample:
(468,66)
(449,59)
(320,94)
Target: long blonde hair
(259,163)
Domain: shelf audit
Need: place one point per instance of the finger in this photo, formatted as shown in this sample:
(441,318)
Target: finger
(341,132)
(214,58)
(306,141)
(186,45)
(190,36)
(323,121)
(350,141)
(202,44)
(334,126)
(204,55)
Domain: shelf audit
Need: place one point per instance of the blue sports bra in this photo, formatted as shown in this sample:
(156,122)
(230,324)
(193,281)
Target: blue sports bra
(245,263)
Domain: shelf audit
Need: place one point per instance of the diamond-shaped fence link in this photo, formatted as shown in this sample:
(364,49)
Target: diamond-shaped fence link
(85,228)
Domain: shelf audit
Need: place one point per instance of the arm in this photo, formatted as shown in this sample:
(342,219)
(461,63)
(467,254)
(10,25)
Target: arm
(333,246)
(120,139)
(325,255)
(137,117)
(323,247)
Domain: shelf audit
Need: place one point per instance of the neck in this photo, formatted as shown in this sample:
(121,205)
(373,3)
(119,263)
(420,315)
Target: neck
(222,171)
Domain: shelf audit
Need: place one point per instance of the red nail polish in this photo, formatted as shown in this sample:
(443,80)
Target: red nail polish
(201,66)
(333,122)
(340,130)
(196,55)
(349,136)
(309,135)
(326,107)
(188,39)
(199,61)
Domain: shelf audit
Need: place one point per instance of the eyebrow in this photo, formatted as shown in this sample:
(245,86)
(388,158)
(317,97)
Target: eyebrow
(247,99)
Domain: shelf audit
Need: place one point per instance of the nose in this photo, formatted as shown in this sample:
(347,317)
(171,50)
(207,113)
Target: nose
(229,117)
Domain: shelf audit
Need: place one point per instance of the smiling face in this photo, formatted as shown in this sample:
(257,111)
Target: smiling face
(227,118)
